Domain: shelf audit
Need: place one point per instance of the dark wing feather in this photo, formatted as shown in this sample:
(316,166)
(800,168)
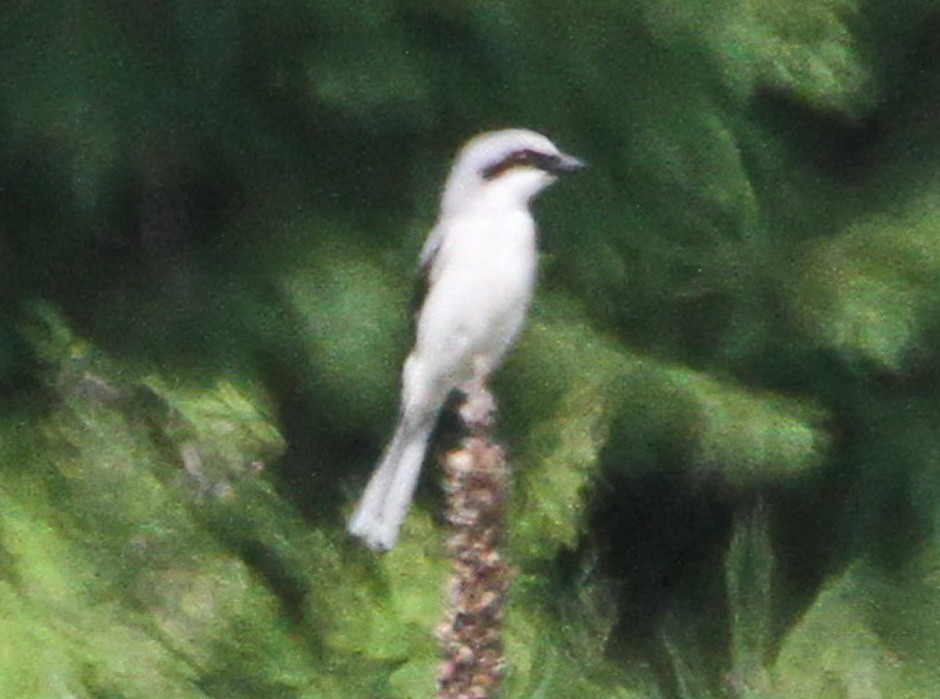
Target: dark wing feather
(425,264)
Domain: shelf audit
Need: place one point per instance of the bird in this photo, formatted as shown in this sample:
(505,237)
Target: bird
(479,267)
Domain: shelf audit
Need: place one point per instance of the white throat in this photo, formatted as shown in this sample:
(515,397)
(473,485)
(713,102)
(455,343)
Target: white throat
(512,192)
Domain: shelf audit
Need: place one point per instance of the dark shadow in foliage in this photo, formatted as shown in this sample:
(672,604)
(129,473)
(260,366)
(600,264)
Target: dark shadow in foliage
(860,504)
(319,451)
(20,368)
(663,539)
(290,586)
(836,144)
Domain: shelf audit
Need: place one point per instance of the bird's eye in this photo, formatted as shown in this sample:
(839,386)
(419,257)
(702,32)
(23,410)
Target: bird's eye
(527,157)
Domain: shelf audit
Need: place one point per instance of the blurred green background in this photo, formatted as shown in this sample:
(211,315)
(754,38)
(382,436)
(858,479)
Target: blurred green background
(724,414)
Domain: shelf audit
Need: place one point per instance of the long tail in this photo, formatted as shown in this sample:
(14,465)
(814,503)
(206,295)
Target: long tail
(387,497)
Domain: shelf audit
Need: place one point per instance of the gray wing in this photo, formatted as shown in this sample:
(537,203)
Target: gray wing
(425,263)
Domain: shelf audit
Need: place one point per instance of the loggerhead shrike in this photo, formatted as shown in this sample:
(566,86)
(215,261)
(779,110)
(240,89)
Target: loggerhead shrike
(479,263)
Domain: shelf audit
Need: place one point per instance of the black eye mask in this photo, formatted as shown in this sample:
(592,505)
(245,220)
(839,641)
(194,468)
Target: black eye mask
(522,158)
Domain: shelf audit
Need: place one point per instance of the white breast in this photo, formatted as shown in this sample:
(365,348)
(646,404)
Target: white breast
(481,285)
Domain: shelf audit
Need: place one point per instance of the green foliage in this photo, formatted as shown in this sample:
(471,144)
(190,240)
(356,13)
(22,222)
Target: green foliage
(872,293)
(723,412)
(862,638)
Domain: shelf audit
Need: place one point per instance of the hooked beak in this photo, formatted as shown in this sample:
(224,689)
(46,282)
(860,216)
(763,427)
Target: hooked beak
(566,164)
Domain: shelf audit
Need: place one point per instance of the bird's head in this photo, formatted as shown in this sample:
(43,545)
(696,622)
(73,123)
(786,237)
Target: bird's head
(504,168)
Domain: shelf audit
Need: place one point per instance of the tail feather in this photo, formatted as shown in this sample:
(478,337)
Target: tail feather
(379,516)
